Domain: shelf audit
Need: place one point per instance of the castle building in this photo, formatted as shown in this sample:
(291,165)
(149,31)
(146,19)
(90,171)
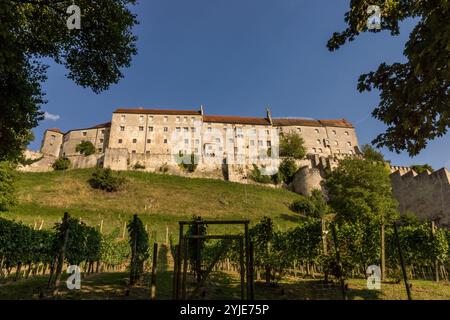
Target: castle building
(155,137)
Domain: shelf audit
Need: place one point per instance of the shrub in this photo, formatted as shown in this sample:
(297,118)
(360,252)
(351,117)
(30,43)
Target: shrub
(27,162)
(138,165)
(190,164)
(287,170)
(256,176)
(62,163)
(105,179)
(86,148)
(312,206)
(7,191)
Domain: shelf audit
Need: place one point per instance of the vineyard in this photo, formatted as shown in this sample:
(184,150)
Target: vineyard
(330,257)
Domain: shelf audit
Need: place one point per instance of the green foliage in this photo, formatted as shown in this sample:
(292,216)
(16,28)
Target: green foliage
(422,168)
(414,95)
(138,166)
(62,163)
(287,170)
(27,162)
(114,251)
(95,57)
(292,145)
(312,206)
(257,176)
(105,179)
(139,246)
(86,148)
(360,190)
(188,163)
(370,153)
(7,185)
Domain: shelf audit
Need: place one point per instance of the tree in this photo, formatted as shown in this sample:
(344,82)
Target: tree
(360,190)
(287,169)
(93,55)
(414,96)
(7,180)
(86,148)
(312,206)
(370,153)
(419,168)
(292,145)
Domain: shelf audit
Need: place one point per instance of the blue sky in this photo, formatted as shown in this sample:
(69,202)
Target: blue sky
(236,57)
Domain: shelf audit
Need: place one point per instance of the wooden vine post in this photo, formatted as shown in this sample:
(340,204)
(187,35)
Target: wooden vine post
(154,270)
(62,254)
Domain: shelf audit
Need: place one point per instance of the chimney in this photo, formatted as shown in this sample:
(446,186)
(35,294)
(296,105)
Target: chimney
(201,109)
(269,115)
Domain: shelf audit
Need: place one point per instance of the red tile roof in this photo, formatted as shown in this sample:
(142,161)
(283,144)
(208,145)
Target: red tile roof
(236,120)
(336,123)
(296,122)
(158,111)
(102,125)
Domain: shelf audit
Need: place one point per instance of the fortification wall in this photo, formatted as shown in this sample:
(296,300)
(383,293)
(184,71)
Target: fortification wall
(83,162)
(426,194)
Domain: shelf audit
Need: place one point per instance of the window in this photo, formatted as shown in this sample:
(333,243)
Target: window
(147,152)
(260,143)
(196,150)
(150,118)
(186,129)
(230,140)
(166,118)
(236,149)
(336,142)
(185,119)
(267,132)
(314,150)
(101,140)
(141,128)
(177,119)
(52,138)
(299,129)
(346,133)
(178,129)
(141,118)
(149,140)
(320,150)
(317,131)
(318,141)
(133,151)
(186,141)
(150,129)
(122,128)
(225,129)
(99,149)
(209,129)
(192,119)
(349,144)
(334,132)
(193,129)
(351,151)
(122,118)
(134,140)
(197,141)
(269,143)
(166,129)
(165,140)
(84,133)
(102,131)
(120,141)
(252,143)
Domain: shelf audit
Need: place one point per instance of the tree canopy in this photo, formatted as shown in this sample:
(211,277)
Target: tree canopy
(292,145)
(414,96)
(31,30)
(360,190)
(86,148)
(370,153)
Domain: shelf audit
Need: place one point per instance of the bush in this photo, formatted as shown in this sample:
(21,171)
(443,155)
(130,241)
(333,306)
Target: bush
(7,179)
(312,206)
(287,170)
(190,164)
(138,165)
(256,176)
(61,164)
(104,179)
(86,148)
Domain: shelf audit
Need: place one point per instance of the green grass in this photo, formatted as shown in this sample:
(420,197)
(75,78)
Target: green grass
(160,200)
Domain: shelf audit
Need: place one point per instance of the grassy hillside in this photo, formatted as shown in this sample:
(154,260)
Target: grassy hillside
(160,200)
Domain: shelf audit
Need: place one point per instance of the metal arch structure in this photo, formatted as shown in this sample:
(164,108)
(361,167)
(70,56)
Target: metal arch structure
(181,261)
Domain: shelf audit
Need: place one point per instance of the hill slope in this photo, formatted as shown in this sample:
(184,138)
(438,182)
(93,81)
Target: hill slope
(159,199)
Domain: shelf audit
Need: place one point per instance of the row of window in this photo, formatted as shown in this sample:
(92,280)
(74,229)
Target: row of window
(165,119)
(186,129)
(197,141)
(318,131)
